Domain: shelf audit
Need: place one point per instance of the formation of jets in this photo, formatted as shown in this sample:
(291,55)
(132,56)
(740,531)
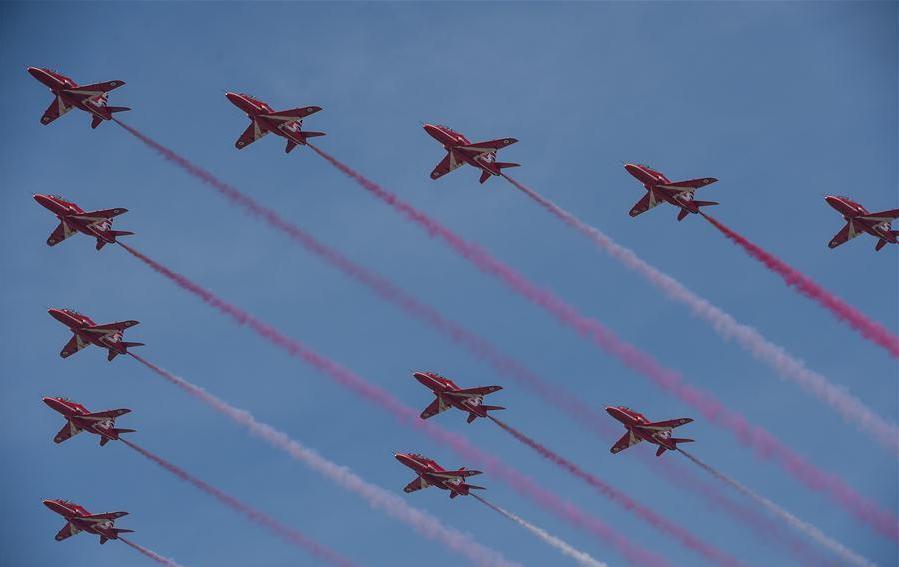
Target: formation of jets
(85,332)
(288,124)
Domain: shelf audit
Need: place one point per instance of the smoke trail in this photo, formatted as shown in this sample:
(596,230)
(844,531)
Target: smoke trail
(562,546)
(288,534)
(154,556)
(376,497)
(808,529)
(408,416)
(765,444)
(869,329)
(655,520)
(847,405)
(476,346)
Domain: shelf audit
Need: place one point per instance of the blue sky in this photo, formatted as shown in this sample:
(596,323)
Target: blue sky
(783,102)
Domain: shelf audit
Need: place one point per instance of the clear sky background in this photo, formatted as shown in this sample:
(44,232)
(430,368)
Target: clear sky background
(783,102)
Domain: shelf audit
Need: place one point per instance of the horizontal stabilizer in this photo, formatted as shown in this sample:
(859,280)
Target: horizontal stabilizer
(117,108)
(890,214)
(505,164)
(677,440)
(705,203)
(313,134)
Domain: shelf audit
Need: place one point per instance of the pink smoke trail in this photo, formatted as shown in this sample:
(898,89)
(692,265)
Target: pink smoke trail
(655,520)
(765,444)
(376,497)
(851,408)
(152,555)
(475,345)
(808,529)
(564,547)
(869,329)
(286,533)
(407,415)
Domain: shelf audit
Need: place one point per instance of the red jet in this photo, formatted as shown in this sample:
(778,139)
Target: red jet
(286,123)
(459,151)
(86,332)
(859,220)
(89,98)
(641,429)
(660,189)
(78,419)
(449,395)
(80,520)
(431,474)
(72,219)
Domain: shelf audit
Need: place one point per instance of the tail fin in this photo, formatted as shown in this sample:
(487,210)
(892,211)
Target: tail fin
(290,145)
(471,417)
(95,121)
(682,214)
(485,175)
(880,244)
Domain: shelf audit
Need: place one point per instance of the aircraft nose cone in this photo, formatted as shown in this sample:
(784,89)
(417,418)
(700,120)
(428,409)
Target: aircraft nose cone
(41,199)
(35,72)
(233,97)
(434,131)
(57,314)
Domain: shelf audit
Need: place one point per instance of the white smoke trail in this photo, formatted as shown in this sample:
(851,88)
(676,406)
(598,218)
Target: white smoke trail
(847,405)
(376,497)
(150,553)
(801,525)
(566,549)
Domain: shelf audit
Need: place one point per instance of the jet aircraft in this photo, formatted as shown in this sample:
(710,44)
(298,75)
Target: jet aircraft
(459,151)
(431,474)
(859,220)
(69,94)
(448,395)
(660,189)
(78,419)
(80,520)
(85,332)
(263,119)
(641,429)
(72,219)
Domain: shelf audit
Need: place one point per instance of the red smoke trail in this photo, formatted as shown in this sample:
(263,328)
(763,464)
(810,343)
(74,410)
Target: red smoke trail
(847,405)
(407,415)
(869,329)
(808,529)
(564,547)
(154,556)
(376,497)
(655,520)
(765,444)
(288,534)
(475,345)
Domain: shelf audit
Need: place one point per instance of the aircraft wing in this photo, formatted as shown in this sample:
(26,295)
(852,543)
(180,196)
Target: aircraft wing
(846,234)
(250,135)
(447,164)
(92,216)
(67,530)
(435,407)
(668,424)
(416,484)
(110,327)
(294,114)
(67,432)
(74,345)
(882,215)
(627,440)
(108,413)
(647,202)
(492,144)
(474,392)
(688,185)
(106,516)
(56,109)
(461,473)
(59,234)
(96,88)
